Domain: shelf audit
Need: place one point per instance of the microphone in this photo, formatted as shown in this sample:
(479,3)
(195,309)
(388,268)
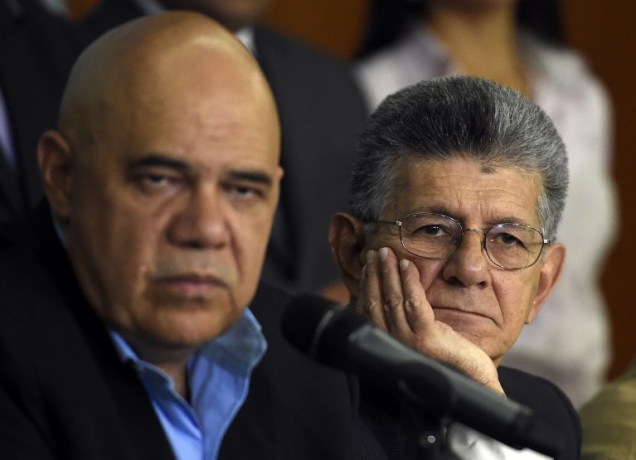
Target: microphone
(339,337)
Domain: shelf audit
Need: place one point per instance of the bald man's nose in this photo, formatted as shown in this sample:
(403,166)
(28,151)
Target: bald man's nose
(202,221)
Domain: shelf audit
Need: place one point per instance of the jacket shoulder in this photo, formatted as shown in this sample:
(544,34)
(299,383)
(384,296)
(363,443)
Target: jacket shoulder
(549,403)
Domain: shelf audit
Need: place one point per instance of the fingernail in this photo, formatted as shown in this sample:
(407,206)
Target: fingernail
(370,256)
(383,252)
(404,264)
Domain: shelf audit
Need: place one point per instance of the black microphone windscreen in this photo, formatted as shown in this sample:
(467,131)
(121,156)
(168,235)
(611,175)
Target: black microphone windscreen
(320,328)
(301,319)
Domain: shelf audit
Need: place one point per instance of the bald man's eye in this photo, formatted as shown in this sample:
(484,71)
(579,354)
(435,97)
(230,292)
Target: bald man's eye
(244,194)
(157,182)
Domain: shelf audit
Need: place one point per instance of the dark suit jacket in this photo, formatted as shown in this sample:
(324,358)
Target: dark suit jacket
(65,394)
(36,51)
(394,425)
(549,403)
(321,112)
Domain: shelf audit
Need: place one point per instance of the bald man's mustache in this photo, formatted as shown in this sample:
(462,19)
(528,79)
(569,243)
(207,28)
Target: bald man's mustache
(196,268)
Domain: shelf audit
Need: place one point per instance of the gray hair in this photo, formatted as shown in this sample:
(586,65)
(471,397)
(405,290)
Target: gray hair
(463,117)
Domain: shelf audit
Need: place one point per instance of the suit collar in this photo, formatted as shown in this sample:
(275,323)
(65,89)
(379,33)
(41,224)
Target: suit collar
(144,432)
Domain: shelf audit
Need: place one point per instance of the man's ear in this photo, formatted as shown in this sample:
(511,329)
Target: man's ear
(54,160)
(347,240)
(552,261)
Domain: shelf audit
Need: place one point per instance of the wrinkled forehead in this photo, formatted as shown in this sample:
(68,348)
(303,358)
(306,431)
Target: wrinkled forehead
(463,187)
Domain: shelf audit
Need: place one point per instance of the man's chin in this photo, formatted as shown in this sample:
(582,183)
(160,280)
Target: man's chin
(191,326)
(470,326)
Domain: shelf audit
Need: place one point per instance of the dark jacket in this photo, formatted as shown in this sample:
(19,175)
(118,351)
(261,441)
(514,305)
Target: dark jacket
(394,423)
(36,52)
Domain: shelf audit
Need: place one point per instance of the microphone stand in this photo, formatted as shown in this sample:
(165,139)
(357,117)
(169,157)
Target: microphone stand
(406,426)
(429,402)
(424,440)
(425,421)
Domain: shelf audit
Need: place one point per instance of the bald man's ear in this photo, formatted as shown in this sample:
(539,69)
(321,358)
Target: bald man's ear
(54,160)
(347,240)
(552,263)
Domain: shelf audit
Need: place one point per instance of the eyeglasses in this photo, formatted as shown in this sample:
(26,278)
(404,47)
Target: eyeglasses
(510,246)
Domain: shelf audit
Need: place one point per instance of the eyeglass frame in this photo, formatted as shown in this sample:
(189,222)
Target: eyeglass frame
(484,232)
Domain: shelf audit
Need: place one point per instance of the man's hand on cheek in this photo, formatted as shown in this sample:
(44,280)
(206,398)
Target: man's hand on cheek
(392,296)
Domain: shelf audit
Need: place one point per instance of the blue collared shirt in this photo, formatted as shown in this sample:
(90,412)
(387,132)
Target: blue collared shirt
(219,376)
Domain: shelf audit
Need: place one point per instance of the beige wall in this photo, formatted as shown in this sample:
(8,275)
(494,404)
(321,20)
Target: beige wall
(604,31)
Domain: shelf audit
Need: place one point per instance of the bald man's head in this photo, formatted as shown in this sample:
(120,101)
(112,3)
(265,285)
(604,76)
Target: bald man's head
(120,66)
(164,177)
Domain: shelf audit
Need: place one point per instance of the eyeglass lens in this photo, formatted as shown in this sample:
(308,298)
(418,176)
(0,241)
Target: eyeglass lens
(436,236)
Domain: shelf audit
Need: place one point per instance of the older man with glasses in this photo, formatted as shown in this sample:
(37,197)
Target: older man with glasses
(450,243)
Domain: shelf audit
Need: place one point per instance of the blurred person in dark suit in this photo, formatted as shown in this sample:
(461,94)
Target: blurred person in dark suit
(36,50)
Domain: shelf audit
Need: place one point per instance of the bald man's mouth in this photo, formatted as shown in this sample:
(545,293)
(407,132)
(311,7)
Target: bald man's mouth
(192,285)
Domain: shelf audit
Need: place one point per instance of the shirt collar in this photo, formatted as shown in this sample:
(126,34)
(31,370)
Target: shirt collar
(246,36)
(430,50)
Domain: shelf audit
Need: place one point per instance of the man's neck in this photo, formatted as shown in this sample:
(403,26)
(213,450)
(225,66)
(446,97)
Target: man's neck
(179,375)
(481,42)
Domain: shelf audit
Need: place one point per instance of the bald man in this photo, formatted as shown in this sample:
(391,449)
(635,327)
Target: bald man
(125,329)
(321,112)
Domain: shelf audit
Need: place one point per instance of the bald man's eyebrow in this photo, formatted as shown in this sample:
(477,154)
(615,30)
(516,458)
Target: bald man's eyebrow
(255,176)
(159,161)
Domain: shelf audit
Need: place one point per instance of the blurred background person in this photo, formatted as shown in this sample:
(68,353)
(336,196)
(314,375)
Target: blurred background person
(519,44)
(36,51)
(321,111)
(59,7)
(609,420)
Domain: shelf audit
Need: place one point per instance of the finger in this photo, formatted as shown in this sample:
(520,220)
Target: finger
(369,300)
(393,296)
(417,310)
